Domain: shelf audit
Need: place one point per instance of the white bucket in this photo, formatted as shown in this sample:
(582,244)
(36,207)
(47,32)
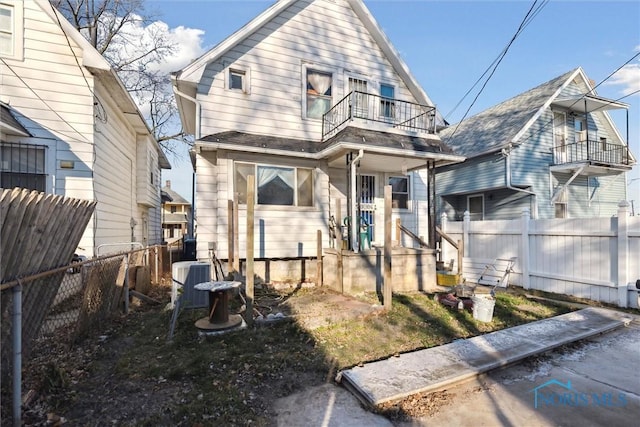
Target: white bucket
(483,307)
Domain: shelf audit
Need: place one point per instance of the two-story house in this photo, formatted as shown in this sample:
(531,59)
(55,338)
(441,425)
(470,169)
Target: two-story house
(312,99)
(69,127)
(553,149)
(176,214)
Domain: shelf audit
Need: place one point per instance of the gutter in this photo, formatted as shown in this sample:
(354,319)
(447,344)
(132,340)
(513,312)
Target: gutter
(198,107)
(507,154)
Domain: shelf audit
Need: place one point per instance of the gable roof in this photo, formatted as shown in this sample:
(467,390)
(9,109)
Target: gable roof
(176,199)
(100,68)
(504,124)
(192,73)
(9,124)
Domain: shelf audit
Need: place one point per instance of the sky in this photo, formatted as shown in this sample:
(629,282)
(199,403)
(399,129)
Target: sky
(448,45)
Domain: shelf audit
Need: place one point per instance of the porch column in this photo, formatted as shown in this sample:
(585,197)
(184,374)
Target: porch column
(431,203)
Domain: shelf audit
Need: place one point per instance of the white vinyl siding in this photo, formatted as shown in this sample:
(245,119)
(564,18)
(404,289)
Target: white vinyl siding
(325,36)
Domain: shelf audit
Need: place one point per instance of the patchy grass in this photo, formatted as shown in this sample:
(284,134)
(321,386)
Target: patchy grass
(137,377)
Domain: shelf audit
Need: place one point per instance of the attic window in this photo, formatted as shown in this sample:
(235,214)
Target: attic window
(237,79)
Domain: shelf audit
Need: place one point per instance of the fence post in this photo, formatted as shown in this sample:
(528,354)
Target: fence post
(16,327)
(524,256)
(250,248)
(319,258)
(623,253)
(398,232)
(387,292)
(466,224)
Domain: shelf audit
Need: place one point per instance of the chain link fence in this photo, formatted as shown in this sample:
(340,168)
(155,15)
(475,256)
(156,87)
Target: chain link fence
(84,298)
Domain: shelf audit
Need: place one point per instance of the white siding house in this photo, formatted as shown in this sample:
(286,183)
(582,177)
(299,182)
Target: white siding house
(312,99)
(72,129)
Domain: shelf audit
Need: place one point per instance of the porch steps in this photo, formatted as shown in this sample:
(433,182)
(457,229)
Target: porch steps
(439,367)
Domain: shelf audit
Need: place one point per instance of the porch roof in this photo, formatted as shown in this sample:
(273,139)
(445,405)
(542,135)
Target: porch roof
(384,151)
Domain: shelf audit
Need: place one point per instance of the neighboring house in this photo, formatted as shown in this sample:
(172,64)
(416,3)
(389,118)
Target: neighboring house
(70,128)
(311,99)
(176,214)
(553,149)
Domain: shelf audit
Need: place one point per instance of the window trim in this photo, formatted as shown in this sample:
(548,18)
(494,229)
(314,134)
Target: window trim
(295,169)
(471,196)
(17,32)
(321,69)
(246,81)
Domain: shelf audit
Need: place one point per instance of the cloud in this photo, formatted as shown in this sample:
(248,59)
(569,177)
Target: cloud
(188,43)
(628,77)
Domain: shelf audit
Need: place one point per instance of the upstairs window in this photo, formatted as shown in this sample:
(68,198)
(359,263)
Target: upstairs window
(276,185)
(11,31)
(580,128)
(7,30)
(319,97)
(387,106)
(22,165)
(236,79)
(399,192)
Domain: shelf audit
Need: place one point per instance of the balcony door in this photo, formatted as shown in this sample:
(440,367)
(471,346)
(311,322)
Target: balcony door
(560,137)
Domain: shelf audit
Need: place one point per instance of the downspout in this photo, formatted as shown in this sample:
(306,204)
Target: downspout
(193,176)
(354,223)
(507,154)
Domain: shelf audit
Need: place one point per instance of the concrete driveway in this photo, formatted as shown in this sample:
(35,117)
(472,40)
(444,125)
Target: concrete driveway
(593,382)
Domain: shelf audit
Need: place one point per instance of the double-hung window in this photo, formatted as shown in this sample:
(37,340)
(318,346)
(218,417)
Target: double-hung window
(7,30)
(275,185)
(22,165)
(319,97)
(399,192)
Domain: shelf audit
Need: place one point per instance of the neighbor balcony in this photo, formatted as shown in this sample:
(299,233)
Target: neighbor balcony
(387,112)
(597,157)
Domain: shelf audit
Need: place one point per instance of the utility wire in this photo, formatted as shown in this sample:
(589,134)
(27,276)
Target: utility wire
(531,14)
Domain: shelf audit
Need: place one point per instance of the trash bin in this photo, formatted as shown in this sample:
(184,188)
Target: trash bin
(483,307)
(189,250)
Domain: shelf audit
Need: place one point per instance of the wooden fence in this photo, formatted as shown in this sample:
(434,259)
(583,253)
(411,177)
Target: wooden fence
(592,258)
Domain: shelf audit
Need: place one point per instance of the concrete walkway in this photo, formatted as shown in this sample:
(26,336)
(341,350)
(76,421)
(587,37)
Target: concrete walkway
(438,367)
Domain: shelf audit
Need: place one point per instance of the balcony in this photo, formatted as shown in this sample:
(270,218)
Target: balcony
(370,108)
(593,157)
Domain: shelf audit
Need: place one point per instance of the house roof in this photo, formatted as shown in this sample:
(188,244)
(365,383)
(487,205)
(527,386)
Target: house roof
(175,218)
(176,199)
(187,79)
(102,70)
(506,123)
(386,149)
(9,124)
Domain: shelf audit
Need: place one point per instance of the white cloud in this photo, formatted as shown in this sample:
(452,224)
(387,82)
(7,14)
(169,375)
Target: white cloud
(628,77)
(188,43)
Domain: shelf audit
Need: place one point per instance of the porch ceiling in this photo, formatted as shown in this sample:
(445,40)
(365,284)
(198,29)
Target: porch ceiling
(589,103)
(591,168)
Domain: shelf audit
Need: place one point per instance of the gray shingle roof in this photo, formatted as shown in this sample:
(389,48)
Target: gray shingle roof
(495,127)
(176,198)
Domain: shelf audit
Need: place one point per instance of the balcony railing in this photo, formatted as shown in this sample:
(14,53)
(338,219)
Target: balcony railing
(602,152)
(374,108)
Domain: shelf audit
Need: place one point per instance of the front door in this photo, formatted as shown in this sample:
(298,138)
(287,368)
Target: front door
(366,185)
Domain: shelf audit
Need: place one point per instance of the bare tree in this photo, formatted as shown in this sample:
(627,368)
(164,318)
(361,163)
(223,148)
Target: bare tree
(136,45)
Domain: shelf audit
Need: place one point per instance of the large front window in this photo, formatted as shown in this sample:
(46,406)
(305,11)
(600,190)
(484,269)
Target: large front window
(318,93)
(22,165)
(276,185)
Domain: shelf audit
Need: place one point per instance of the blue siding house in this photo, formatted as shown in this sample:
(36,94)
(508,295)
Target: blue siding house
(553,149)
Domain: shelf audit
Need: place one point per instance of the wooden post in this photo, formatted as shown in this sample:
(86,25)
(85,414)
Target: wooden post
(387,291)
(338,244)
(250,241)
(236,235)
(230,235)
(319,261)
(398,232)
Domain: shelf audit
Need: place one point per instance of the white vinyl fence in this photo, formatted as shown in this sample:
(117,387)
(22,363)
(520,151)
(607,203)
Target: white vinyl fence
(593,258)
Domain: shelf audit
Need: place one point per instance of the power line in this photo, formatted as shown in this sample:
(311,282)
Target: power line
(531,14)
